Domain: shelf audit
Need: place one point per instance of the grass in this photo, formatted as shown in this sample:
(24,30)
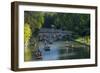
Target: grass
(27,55)
(85,40)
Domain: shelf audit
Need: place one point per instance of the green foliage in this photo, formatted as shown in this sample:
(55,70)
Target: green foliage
(27,32)
(78,23)
(27,35)
(85,40)
(75,22)
(27,54)
(34,19)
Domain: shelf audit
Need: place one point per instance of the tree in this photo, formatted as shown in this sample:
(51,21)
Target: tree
(75,22)
(34,19)
(27,35)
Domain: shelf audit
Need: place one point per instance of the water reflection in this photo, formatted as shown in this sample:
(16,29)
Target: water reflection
(64,50)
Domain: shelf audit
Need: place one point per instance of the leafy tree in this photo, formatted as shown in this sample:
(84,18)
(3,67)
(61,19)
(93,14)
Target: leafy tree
(34,19)
(27,35)
(75,22)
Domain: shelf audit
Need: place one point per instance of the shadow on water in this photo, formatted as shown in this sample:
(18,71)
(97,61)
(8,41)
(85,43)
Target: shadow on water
(74,53)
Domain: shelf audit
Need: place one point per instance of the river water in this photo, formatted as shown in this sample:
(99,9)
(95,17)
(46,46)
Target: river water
(53,54)
(55,51)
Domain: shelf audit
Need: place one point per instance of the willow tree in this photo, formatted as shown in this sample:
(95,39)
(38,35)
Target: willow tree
(35,20)
(27,35)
